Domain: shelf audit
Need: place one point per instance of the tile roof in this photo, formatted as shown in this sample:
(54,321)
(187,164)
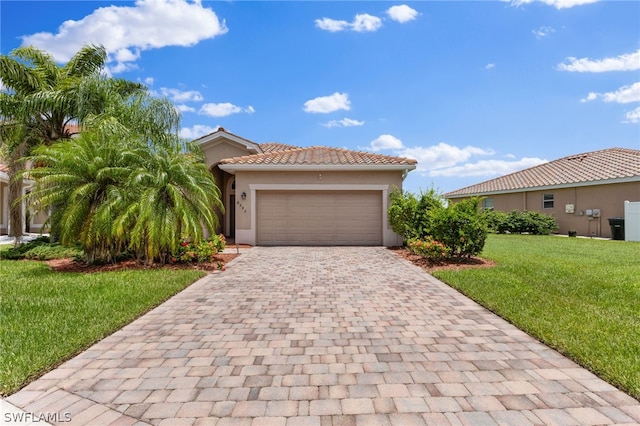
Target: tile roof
(4,168)
(318,155)
(590,167)
(275,146)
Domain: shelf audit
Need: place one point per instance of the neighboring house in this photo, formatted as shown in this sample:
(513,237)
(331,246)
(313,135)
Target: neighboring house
(31,223)
(581,191)
(276,194)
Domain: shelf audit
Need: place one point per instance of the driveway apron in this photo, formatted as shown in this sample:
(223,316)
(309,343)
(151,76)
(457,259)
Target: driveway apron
(323,336)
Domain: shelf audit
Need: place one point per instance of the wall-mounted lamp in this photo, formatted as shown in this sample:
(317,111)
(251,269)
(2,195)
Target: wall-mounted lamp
(243,196)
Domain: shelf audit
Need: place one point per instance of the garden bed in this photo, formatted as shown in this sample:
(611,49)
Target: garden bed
(431,266)
(70,265)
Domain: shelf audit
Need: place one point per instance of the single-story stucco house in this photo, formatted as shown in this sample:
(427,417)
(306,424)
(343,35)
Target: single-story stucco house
(581,191)
(276,194)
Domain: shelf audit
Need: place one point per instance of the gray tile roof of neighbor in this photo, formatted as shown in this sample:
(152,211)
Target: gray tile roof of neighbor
(596,167)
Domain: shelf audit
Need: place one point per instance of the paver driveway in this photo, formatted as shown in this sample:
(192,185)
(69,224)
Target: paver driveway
(321,336)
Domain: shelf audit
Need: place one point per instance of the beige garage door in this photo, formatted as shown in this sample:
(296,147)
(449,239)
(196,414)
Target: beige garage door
(319,218)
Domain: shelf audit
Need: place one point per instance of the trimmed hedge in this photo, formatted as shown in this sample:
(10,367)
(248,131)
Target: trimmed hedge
(520,222)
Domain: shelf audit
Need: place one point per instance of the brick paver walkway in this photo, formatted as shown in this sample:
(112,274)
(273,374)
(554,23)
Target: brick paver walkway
(323,336)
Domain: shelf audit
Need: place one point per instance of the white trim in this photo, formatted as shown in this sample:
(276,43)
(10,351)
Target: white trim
(249,236)
(232,168)
(4,219)
(549,187)
(222,134)
(228,193)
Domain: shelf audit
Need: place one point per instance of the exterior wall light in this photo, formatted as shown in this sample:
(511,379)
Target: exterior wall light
(244,195)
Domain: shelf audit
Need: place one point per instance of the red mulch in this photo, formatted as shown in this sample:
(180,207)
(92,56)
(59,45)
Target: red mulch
(427,265)
(69,265)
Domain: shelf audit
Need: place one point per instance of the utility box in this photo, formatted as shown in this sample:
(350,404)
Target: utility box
(617,228)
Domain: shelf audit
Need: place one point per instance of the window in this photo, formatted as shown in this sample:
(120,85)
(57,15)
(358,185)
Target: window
(547,201)
(487,204)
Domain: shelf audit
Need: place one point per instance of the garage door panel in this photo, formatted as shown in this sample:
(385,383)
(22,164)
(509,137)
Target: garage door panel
(319,217)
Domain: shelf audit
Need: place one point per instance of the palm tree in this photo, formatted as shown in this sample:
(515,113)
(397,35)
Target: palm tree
(128,182)
(83,177)
(176,197)
(42,103)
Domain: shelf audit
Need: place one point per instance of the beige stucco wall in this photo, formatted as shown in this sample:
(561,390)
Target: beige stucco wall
(608,198)
(248,181)
(217,150)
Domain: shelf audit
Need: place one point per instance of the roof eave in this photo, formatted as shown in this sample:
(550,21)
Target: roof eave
(547,187)
(230,136)
(232,168)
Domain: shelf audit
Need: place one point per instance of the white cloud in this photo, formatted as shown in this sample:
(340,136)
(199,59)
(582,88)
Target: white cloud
(197,131)
(224,109)
(402,13)
(326,104)
(489,66)
(558,4)
(332,25)
(361,23)
(126,31)
(345,122)
(441,156)
(542,32)
(177,95)
(633,116)
(386,142)
(185,108)
(626,62)
(444,160)
(149,81)
(623,95)
(364,22)
(487,168)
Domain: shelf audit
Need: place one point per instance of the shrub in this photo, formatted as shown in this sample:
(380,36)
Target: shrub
(41,249)
(409,215)
(433,250)
(518,222)
(202,252)
(461,227)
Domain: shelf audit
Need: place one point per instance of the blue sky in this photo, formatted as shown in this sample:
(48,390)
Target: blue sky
(472,90)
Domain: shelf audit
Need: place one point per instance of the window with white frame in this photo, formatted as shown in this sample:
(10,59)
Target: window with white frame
(547,201)
(487,204)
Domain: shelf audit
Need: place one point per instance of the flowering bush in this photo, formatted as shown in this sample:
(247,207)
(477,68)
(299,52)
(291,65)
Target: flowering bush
(204,251)
(429,248)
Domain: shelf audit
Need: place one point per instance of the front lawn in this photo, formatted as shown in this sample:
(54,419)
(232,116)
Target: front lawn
(48,317)
(579,296)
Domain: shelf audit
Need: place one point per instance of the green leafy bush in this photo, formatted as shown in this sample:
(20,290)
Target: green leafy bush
(461,227)
(202,252)
(41,249)
(519,222)
(429,248)
(409,215)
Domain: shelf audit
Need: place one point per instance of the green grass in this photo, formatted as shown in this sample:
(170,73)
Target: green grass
(47,317)
(579,296)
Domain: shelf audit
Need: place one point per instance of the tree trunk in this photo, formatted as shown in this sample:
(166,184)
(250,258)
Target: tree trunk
(16,213)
